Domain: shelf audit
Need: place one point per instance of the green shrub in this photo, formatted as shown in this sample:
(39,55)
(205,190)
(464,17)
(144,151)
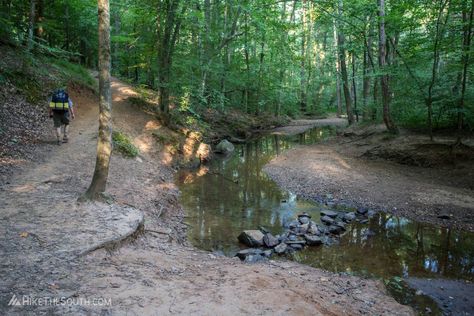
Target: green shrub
(123,145)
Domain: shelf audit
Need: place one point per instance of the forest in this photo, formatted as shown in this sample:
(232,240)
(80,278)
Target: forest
(236,157)
(404,62)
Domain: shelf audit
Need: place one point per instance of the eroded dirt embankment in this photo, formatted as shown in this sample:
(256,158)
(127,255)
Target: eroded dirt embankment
(157,272)
(406,175)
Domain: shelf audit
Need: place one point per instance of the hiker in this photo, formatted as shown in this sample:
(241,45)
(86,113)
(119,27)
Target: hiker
(61,110)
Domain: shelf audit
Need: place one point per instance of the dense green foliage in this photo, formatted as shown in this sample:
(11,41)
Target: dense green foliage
(277,56)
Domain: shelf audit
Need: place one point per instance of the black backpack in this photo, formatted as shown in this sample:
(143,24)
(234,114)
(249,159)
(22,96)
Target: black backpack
(60,100)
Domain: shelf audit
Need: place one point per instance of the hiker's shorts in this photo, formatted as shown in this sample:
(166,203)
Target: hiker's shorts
(60,118)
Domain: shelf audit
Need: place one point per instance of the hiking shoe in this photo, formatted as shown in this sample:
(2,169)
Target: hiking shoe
(65,140)
(59,142)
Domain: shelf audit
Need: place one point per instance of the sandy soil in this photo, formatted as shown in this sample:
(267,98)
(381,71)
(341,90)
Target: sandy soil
(406,175)
(299,126)
(155,272)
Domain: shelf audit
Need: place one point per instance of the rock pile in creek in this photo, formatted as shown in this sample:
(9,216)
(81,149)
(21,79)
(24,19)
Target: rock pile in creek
(299,233)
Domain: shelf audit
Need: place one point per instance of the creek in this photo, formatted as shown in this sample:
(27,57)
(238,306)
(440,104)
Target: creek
(233,194)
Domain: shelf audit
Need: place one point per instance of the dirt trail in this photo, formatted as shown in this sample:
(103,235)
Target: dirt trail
(43,229)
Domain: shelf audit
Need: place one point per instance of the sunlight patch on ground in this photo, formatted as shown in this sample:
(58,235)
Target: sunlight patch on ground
(152,125)
(24,188)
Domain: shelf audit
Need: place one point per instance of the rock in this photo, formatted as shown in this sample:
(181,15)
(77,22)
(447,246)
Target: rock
(254,258)
(349,217)
(296,246)
(304,218)
(322,229)
(362,210)
(242,254)
(336,230)
(312,240)
(296,242)
(267,253)
(269,240)
(371,213)
(364,221)
(292,237)
(302,229)
(293,224)
(327,220)
(281,248)
(313,230)
(251,238)
(341,224)
(224,147)
(329,213)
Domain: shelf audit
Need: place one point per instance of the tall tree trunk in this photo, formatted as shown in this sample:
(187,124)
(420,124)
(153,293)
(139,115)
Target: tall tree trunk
(260,73)
(39,18)
(303,60)
(31,25)
(384,79)
(343,67)
(466,48)
(170,36)
(338,73)
(365,84)
(66,28)
(354,85)
(434,69)
(247,65)
(116,29)
(104,141)
(284,38)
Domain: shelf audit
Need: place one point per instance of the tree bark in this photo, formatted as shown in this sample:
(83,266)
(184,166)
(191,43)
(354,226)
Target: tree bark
(168,42)
(384,78)
(39,18)
(434,69)
(31,25)
(354,85)
(303,60)
(338,73)
(467,34)
(343,67)
(104,141)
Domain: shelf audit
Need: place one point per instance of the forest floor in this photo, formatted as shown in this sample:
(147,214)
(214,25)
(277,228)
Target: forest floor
(134,250)
(406,175)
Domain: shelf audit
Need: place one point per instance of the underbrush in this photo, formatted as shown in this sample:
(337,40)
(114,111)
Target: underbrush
(123,145)
(35,76)
(213,124)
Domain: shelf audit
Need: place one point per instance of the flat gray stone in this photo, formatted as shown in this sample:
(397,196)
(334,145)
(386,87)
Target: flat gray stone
(251,238)
(329,213)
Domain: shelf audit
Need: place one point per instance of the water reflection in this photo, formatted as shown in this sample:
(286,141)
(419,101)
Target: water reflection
(233,194)
(397,248)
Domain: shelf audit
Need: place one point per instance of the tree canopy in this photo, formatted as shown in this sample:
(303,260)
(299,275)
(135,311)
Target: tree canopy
(407,62)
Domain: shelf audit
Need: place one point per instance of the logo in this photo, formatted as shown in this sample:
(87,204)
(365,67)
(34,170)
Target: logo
(28,300)
(14,301)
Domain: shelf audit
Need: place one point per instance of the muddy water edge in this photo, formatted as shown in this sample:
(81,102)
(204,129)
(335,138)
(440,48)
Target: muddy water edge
(232,194)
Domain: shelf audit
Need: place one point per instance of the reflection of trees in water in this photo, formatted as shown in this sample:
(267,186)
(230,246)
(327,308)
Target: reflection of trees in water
(222,208)
(398,248)
(219,209)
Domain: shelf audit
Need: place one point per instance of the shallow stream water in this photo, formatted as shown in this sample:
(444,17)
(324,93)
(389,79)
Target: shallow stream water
(233,194)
